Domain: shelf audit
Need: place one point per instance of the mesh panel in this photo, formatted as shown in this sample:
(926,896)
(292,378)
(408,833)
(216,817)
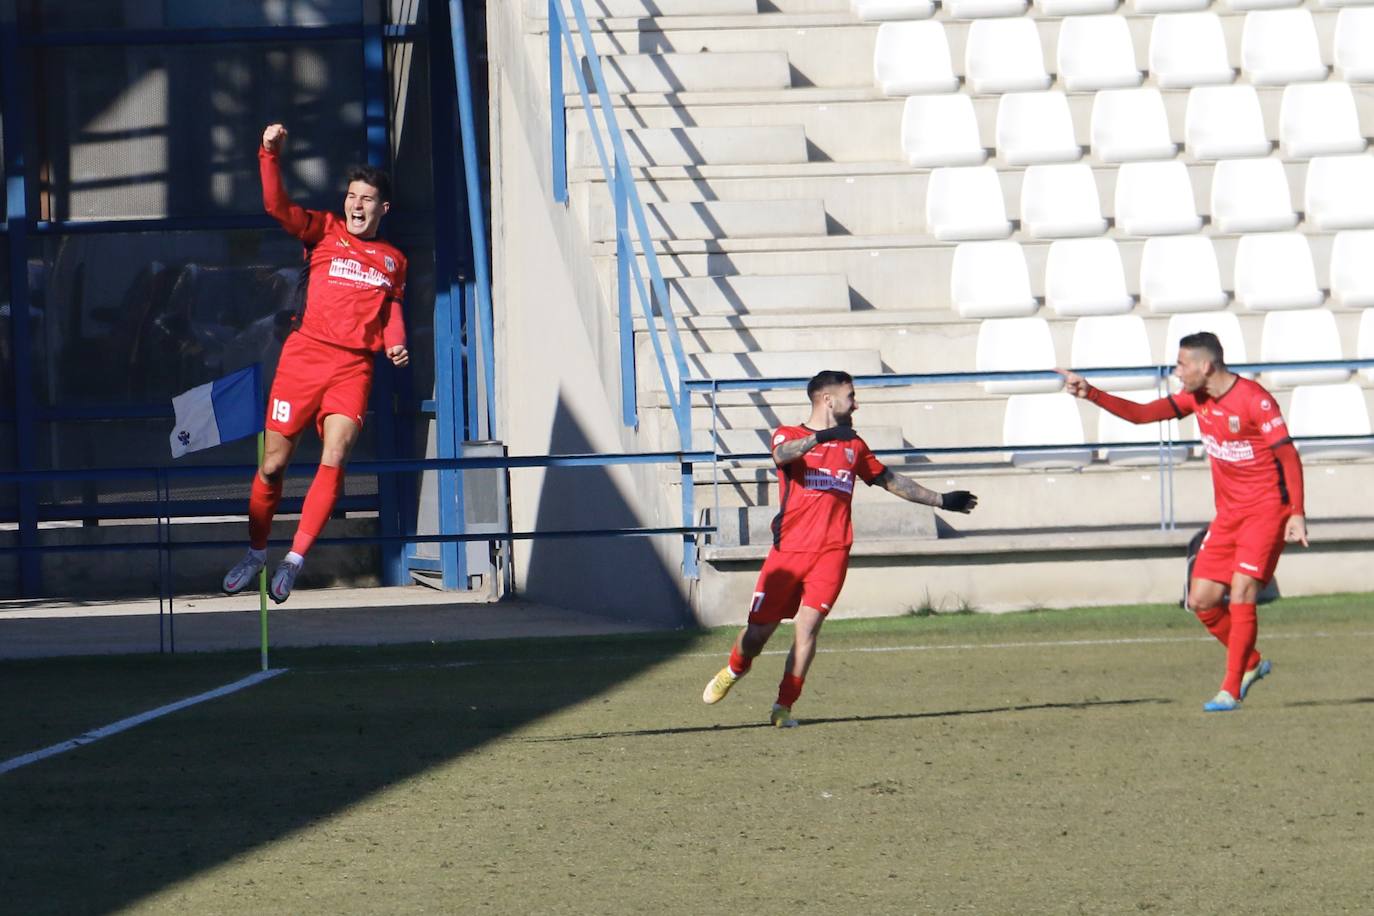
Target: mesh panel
(55,15)
(147,132)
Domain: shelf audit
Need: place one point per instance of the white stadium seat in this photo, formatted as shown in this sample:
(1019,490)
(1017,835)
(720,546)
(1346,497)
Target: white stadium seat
(941,130)
(980,9)
(1340,192)
(1085,277)
(1188,49)
(1223,324)
(1130,124)
(1224,122)
(1112,342)
(1003,55)
(1280,46)
(1307,335)
(1274,271)
(1060,201)
(1016,345)
(1112,429)
(1095,52)
(1352,269)
(1330,410)
(1071,8)
(966,204)
(1035,127)
(1045,419)
(1155,198)
(1180,274)
(1150,7)
(1354,45)
(1241,6)
(882,10)
(913,57)
(1364,343)
(990,280)
(1319,119)
(1251,195)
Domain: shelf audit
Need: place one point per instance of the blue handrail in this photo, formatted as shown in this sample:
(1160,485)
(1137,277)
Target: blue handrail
(629,214)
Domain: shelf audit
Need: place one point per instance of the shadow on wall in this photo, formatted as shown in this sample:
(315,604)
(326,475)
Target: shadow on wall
(623,576)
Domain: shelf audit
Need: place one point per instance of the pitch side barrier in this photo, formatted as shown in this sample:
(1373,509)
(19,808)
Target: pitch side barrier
(711,388)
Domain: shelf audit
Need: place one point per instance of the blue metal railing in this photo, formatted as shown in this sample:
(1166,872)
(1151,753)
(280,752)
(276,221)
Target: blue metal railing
(630,283)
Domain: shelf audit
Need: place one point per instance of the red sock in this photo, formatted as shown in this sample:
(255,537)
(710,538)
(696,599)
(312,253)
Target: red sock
(319,502)
(1217,620)
(739,663)
(1241,645)
(262,505)
(789,689)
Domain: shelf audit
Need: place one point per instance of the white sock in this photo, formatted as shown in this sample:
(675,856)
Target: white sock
(295,559)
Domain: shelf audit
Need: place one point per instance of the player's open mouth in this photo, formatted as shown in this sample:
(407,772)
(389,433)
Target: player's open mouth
(357,219)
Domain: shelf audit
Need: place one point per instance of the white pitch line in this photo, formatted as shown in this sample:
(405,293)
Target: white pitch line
(115,728)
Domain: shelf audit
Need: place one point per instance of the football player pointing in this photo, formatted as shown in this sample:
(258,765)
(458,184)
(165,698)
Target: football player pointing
(1258,486)
(818,463)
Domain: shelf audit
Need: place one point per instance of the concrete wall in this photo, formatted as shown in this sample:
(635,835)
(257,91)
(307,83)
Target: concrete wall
(557,355)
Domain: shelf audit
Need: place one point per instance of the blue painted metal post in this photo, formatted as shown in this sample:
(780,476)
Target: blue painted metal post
(689,540)
(557,111)
(21,344)
(624,251)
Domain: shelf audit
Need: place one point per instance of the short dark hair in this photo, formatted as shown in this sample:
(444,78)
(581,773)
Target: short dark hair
(827,378)
(373,176)
(1208,343)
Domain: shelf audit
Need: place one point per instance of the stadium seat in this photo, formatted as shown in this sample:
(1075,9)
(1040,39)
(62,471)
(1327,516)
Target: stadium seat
(1060,201)
(1188,49)
(1151,7)
(1112,342)
(1352,269)
(1095,52)
(982,9)
(1340,192)
(966,204)
(1280,46)
(1071,8)
(913,57)
(1045,419)
(1113,429)
(1302,336)
(1354,45)
(1084,277)
(1180,275)
(1319,119)
(1330,410)
(1155,198)
(1274,271)
(941,130)
(1034,127)
(1224,122)
(1364,343)
(1016,345)
(1241,6)
(1223,324)
(1130,124)
(1003,55)
(884,10)
(1251,195)
(990,280)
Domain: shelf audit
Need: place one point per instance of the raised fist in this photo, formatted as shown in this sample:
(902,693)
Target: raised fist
(273,138)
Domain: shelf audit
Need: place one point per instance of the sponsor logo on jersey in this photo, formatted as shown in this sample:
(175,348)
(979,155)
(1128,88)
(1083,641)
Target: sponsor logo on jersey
(1250,566)
(351,269)
(822,479)
(1233,423)
(1228,451)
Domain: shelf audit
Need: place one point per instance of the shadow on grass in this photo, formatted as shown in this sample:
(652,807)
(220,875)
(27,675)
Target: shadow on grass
(841,720)
(1353,701)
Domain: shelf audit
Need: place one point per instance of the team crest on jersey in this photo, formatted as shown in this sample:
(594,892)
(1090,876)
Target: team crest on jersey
(849,455)
(1233,423)
(389,262)
(1264,403)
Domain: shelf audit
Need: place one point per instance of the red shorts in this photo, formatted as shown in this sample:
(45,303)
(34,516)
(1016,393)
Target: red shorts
(1247,543)
(789,581)
(317,379)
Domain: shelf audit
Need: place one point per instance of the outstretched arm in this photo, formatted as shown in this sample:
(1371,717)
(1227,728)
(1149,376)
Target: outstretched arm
(306,225)
(793,449)
(1152,412)
(911,491)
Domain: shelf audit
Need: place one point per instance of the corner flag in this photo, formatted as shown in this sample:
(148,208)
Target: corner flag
(219,411)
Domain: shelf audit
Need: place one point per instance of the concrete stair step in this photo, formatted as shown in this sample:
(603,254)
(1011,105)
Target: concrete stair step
(893,520)
(776,363)
(674,72)
(692,146)
(758,440)
(749,295)
(720,219)
(604,9)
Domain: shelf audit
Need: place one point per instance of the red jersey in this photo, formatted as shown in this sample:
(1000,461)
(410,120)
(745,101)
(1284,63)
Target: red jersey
(353,298)
(1239,431)
(814,492)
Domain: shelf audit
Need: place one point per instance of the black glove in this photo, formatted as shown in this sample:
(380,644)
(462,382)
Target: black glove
(958,501)
(836,434)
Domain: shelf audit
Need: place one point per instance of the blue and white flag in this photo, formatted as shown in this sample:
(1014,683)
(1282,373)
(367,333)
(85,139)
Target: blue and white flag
(219,411)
